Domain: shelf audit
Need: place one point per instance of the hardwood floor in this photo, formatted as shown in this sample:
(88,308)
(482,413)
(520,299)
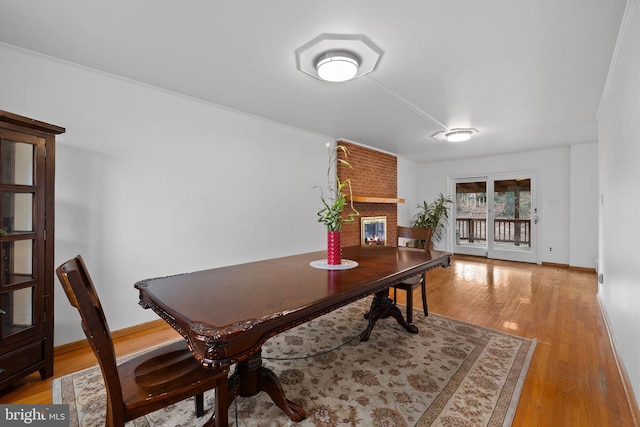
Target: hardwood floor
(573,379)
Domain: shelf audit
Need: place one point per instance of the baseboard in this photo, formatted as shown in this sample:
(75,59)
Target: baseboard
(120,333)
(583,269)
(570,267)
(626,383)
(554,264)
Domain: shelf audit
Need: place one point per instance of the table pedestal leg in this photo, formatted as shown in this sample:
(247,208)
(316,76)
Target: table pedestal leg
(383,306)
(250,378)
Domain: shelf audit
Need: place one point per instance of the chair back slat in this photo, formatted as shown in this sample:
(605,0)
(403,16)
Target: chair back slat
(78,286)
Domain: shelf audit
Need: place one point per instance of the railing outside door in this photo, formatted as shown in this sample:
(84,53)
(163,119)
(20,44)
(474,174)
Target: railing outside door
(515,231)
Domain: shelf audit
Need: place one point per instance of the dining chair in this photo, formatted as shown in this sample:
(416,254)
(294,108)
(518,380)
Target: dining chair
(422,237)
(146,382)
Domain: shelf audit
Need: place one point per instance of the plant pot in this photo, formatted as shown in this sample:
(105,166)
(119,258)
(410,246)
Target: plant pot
(334,248)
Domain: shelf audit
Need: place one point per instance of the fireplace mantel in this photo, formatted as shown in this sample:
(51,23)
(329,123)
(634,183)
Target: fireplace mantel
(369,199)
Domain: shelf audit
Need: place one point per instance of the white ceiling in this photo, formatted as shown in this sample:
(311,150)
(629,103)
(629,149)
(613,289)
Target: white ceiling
(527,74)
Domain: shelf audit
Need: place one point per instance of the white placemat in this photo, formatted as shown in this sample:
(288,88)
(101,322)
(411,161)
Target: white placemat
(324,265)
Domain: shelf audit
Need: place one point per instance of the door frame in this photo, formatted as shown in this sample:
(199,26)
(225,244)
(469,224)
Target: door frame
(490,251)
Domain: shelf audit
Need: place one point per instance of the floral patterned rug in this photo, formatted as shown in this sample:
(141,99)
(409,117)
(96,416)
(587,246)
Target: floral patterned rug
(449,374)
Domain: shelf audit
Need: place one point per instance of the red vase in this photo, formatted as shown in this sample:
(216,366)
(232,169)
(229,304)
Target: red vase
(334,248)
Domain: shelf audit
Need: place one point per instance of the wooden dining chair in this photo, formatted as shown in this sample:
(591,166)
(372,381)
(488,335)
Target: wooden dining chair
(144,383)
(422,237)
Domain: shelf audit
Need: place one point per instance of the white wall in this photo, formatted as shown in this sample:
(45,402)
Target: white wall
(583,237)
(150,183)
(619,172)
(554,202)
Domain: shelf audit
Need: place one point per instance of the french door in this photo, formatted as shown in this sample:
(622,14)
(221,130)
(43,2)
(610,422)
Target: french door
(496,216)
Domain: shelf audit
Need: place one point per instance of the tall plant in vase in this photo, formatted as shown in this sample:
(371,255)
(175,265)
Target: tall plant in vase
(334,201)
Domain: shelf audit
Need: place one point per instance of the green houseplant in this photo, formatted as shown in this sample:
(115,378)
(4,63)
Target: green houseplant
(434,215)
(334,201)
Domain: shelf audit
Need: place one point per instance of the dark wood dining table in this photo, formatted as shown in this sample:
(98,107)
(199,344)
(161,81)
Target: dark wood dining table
(226,314)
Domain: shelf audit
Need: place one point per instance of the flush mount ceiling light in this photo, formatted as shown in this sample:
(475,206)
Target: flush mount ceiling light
(455,135)
(458,135)
(338,57)
(337,66)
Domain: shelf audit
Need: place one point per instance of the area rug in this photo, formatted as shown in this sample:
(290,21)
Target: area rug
(449,374)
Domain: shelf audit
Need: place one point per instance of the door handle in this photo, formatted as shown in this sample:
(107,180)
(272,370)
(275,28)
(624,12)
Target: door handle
(535,219)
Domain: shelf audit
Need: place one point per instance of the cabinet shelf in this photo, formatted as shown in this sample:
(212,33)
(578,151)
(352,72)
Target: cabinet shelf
(369,199)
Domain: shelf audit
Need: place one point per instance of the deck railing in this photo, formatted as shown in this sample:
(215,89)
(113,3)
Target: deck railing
(516,231)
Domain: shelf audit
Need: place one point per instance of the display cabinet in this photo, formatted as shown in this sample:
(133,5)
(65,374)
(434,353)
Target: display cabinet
(27,170)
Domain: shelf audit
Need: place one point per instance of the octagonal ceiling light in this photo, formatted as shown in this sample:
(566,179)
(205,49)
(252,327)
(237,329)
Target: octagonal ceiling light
(455,135)
(338,57)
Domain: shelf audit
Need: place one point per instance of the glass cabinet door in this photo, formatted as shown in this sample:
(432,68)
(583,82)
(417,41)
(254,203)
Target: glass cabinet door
(19,287)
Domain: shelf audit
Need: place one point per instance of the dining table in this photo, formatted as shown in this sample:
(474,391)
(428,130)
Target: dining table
(227,313)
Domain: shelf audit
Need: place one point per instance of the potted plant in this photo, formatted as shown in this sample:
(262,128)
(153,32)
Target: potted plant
(434,215)
(334,201)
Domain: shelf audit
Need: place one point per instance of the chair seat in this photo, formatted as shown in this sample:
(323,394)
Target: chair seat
(408,286)
(167,373)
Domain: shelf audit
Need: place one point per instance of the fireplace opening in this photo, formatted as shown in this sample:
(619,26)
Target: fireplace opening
(373,230)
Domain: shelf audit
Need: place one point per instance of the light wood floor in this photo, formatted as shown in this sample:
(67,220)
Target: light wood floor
(573,379)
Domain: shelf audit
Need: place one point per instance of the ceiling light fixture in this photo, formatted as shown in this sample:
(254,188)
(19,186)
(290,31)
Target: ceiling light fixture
(458,135)
(338,57)
(337,66)
(454,135)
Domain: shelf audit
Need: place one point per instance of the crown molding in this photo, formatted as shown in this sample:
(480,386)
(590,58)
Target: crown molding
(622,32)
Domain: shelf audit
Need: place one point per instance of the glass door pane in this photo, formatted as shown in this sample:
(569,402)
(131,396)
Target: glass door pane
(471,217)
(16,262)
(17,162)
(17,314)
(511,218)
(17,212)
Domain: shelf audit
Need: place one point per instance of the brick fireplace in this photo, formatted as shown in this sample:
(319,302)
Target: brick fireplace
(374,180)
